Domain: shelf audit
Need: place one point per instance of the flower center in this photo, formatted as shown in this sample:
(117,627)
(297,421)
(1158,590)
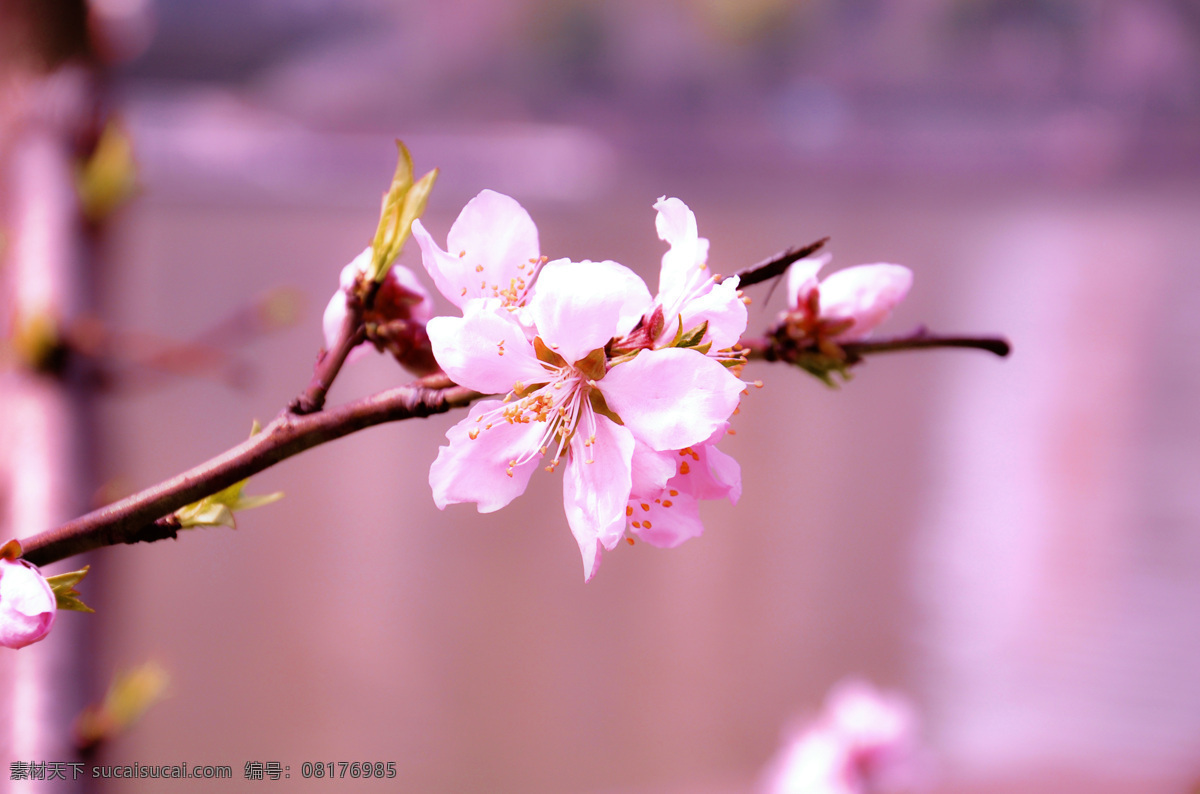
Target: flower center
(563,404)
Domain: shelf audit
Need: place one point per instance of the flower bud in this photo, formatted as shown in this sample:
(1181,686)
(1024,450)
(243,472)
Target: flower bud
(395,322)
(27,604)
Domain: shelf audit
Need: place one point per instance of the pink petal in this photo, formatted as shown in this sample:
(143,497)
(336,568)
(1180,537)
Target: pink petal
(802,277)
(866,293)
(711,474)
(724,475)
(722,309)
(485,350)
(671,398)
(676,225)
(596,487)
(579,306)
(667,521)
(477,470)
(336,311)
(492,243)
(651,470)
(27,604)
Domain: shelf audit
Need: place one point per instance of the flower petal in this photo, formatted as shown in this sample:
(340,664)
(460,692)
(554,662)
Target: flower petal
(866,293)
(722,309)
(651,470)
(579,306)
(671,398)
(596,487)
(676,225)
(492,244)
(485,349)
(667,521)
(477,469)
(336,310)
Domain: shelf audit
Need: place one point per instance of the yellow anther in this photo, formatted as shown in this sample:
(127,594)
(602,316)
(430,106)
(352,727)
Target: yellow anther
(478,268)
(473,433)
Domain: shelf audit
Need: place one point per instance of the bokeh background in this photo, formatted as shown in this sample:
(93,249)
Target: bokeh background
(1014,544)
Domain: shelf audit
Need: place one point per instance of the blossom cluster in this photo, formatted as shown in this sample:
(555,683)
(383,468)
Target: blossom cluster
(630,392)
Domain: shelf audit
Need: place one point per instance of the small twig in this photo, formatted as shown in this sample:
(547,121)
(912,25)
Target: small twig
(137,518)
(329,364)
(776,265)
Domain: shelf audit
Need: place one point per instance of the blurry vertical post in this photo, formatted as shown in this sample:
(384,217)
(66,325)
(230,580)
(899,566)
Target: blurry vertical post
(46,109)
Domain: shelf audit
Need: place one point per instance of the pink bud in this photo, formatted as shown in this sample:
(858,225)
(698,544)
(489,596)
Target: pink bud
(396,320)
(848,305)
(27,604)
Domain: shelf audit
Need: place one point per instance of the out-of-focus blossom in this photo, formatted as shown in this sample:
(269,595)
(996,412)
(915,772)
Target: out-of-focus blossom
(546,346)
(846,306)
(863,742)
(27,604)
(396,320)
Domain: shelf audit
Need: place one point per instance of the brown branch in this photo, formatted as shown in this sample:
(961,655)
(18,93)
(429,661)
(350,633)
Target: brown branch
(773,349)
(776,265)
(137,518)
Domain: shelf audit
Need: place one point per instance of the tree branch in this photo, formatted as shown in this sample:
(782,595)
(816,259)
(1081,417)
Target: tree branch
(770,349)
(136,518)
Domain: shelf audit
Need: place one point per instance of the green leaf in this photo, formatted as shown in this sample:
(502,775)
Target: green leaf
(691,338)
(65,594)
(402,204)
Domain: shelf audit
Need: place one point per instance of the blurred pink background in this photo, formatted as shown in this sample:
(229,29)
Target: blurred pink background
(1015,544)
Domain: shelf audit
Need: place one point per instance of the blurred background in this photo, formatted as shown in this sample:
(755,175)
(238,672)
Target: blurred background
(1014,544)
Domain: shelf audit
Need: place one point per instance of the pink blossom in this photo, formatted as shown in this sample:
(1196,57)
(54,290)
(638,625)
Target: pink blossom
(584,380)
(688,293)
(848,305)
(863,742)
(27,604)
(401,309)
